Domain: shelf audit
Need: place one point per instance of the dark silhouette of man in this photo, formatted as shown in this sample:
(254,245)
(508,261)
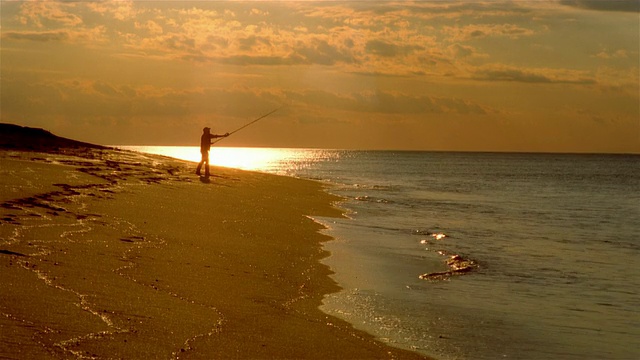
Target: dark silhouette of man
(205,145)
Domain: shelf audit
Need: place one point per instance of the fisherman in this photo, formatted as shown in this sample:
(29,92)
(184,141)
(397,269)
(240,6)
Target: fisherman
(205,145)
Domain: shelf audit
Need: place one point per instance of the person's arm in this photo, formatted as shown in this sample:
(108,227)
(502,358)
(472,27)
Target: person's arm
(212,136)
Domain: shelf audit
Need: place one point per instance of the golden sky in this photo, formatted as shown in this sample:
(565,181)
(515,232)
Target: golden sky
(553,76)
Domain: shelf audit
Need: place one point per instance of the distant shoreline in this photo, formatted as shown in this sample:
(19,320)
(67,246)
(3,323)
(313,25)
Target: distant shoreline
(401,151)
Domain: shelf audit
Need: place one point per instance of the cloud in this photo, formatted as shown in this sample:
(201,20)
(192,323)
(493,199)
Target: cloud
(318,51)
(106,89)
(387,49)
(150,26)
(257,60)
(44,13)
(477,31)
(465,51)
(618,54)
(258,12)
(90,37)
(622,81)
(604,5)
(82,101)
(252,43)
(399,103)
(385,102)
(180,42)
(120,10)
(43,36)
(532,75)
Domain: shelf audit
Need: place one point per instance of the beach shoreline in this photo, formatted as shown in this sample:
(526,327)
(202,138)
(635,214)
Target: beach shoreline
(114,254)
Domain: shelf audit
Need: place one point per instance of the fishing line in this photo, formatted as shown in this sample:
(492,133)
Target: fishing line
(245,125)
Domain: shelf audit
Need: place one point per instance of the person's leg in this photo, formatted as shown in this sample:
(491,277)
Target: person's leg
(200,165)
(206,164)
(204,160)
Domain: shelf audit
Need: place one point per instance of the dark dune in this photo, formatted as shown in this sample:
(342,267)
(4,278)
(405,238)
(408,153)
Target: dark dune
(15,137)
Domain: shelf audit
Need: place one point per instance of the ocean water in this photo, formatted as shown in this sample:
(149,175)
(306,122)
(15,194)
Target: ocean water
(547,246)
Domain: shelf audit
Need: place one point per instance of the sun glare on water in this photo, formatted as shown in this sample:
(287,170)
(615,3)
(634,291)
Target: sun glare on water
(255,159)
(260,159)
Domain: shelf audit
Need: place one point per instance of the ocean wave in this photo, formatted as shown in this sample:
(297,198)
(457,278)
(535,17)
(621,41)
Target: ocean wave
(372,199)
(438,235)
(457,266)
(374,187)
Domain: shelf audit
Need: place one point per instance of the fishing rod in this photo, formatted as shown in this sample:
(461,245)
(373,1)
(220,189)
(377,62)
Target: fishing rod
(245,125)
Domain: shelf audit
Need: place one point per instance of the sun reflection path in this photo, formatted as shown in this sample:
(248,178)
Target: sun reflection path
(272,160)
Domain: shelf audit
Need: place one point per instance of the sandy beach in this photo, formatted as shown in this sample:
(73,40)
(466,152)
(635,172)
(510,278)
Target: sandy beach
(113,254)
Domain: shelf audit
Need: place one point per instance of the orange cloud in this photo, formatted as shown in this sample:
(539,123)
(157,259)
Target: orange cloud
(120,10)
(618,5)
(87,36)
(42,36)
(532,75)
(45,13)
(477,31)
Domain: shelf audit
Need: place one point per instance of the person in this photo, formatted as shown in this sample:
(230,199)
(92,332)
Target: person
(205,146)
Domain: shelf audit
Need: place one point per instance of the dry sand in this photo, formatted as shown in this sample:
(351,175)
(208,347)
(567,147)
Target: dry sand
(113,254)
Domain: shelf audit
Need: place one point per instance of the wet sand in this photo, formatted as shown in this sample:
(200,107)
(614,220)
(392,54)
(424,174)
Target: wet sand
(113,254)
